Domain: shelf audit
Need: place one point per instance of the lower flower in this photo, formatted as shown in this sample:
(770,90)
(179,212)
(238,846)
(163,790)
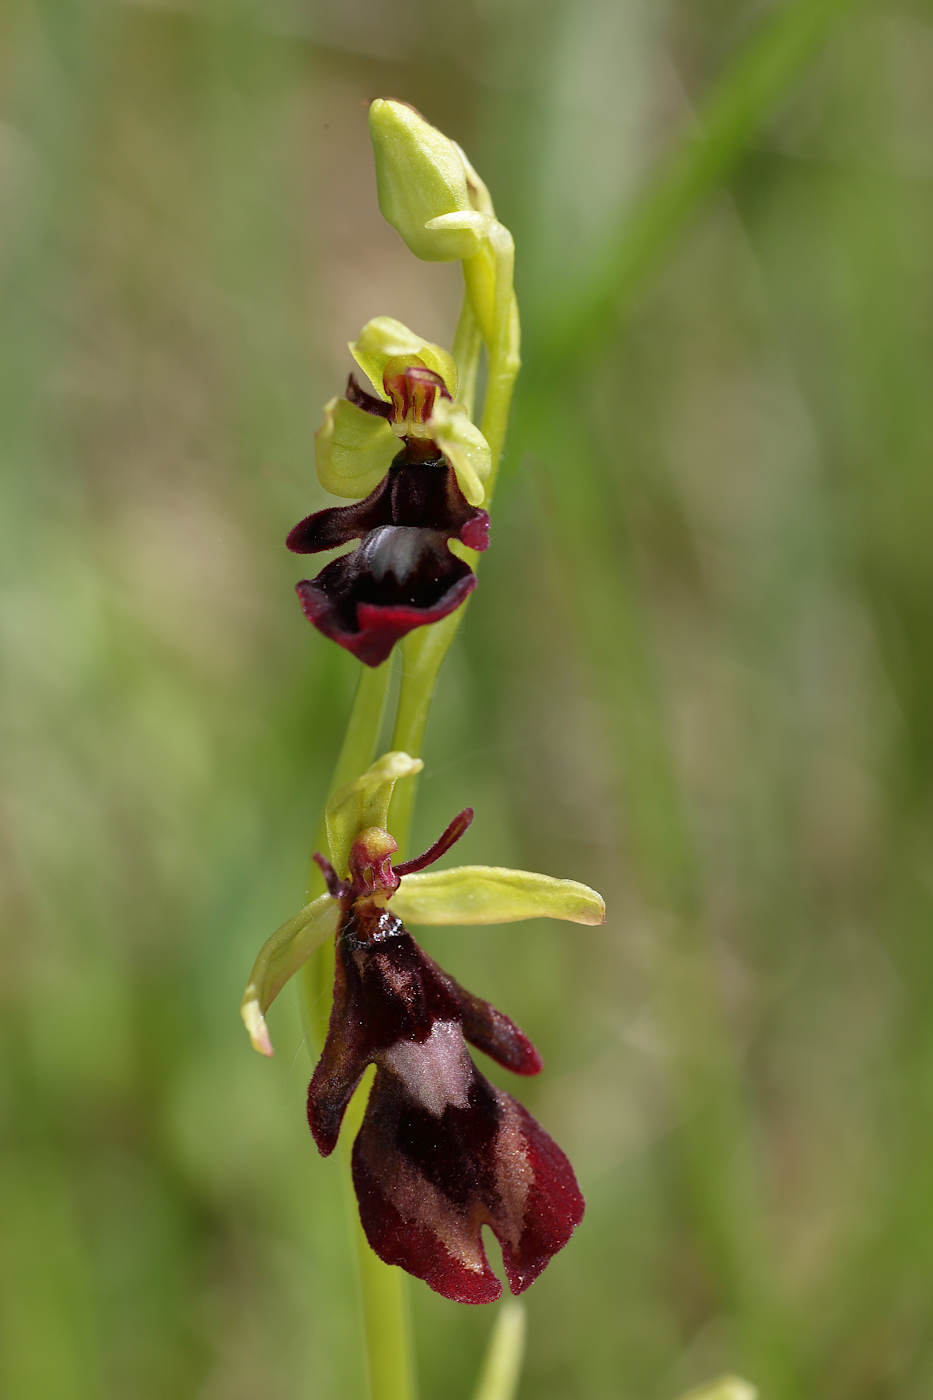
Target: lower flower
(441,1151)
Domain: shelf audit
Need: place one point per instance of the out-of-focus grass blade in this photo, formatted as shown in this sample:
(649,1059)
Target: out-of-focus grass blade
(764,69)
(726,1388)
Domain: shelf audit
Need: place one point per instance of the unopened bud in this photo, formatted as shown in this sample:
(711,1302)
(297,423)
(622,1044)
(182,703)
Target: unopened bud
(421,180)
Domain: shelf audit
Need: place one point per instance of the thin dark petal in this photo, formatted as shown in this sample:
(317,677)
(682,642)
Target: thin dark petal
(447,838)
(336,887)
(338,524)
(497,1036)
(366,401)
(485,1027)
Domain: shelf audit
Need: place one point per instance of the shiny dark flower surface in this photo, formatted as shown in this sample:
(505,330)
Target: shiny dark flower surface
(402,575)
(441,1151)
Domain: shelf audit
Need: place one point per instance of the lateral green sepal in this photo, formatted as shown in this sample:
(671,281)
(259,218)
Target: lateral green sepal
(464,446)
(489,894)
(353,449)
(280,958)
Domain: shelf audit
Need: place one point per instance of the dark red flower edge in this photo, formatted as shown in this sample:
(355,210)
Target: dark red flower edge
(378,625)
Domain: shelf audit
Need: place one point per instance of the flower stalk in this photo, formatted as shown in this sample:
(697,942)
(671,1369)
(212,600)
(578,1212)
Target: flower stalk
(437,1150)
(383,1288)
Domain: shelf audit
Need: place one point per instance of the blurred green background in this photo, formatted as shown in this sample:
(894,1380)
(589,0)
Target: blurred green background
(698,674)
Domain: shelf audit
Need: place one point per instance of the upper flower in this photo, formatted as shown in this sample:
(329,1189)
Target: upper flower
(420,463)
(441,1151)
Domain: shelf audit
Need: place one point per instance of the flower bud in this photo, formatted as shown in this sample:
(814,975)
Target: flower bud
(420,177)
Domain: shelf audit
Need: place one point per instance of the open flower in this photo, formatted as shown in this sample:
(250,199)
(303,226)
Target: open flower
(441,1151)
(420,463)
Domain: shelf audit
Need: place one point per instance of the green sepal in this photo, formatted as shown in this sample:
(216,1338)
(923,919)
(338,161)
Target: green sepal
(464,446)
(280,958)
(383,339)
(488,894)
(420,176)
(353,449)
(364,803)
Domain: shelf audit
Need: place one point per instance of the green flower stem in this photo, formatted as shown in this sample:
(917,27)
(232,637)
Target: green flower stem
(383,1291)
(468,343)
(356,754)
(382,1288)
(359,744)
(385,1318)
(503,352)
(502,1367)
(423,651)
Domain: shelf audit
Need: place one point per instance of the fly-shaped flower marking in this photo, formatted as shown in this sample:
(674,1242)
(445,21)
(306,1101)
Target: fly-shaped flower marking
(441,1151)
(403,573)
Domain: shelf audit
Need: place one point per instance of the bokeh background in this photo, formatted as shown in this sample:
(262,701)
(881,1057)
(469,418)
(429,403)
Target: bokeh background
(698,674)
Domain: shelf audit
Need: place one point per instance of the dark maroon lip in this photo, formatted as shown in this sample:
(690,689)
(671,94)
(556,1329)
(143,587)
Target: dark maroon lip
(403,574)
(377,626)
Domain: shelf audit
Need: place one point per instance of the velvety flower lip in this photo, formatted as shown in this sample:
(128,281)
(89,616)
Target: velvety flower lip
(418,582)
(441,1151)
(403,574)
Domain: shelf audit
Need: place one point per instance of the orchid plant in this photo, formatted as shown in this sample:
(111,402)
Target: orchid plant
(439,1152)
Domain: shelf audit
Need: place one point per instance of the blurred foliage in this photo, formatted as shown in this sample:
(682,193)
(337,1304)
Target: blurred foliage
(697,674)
